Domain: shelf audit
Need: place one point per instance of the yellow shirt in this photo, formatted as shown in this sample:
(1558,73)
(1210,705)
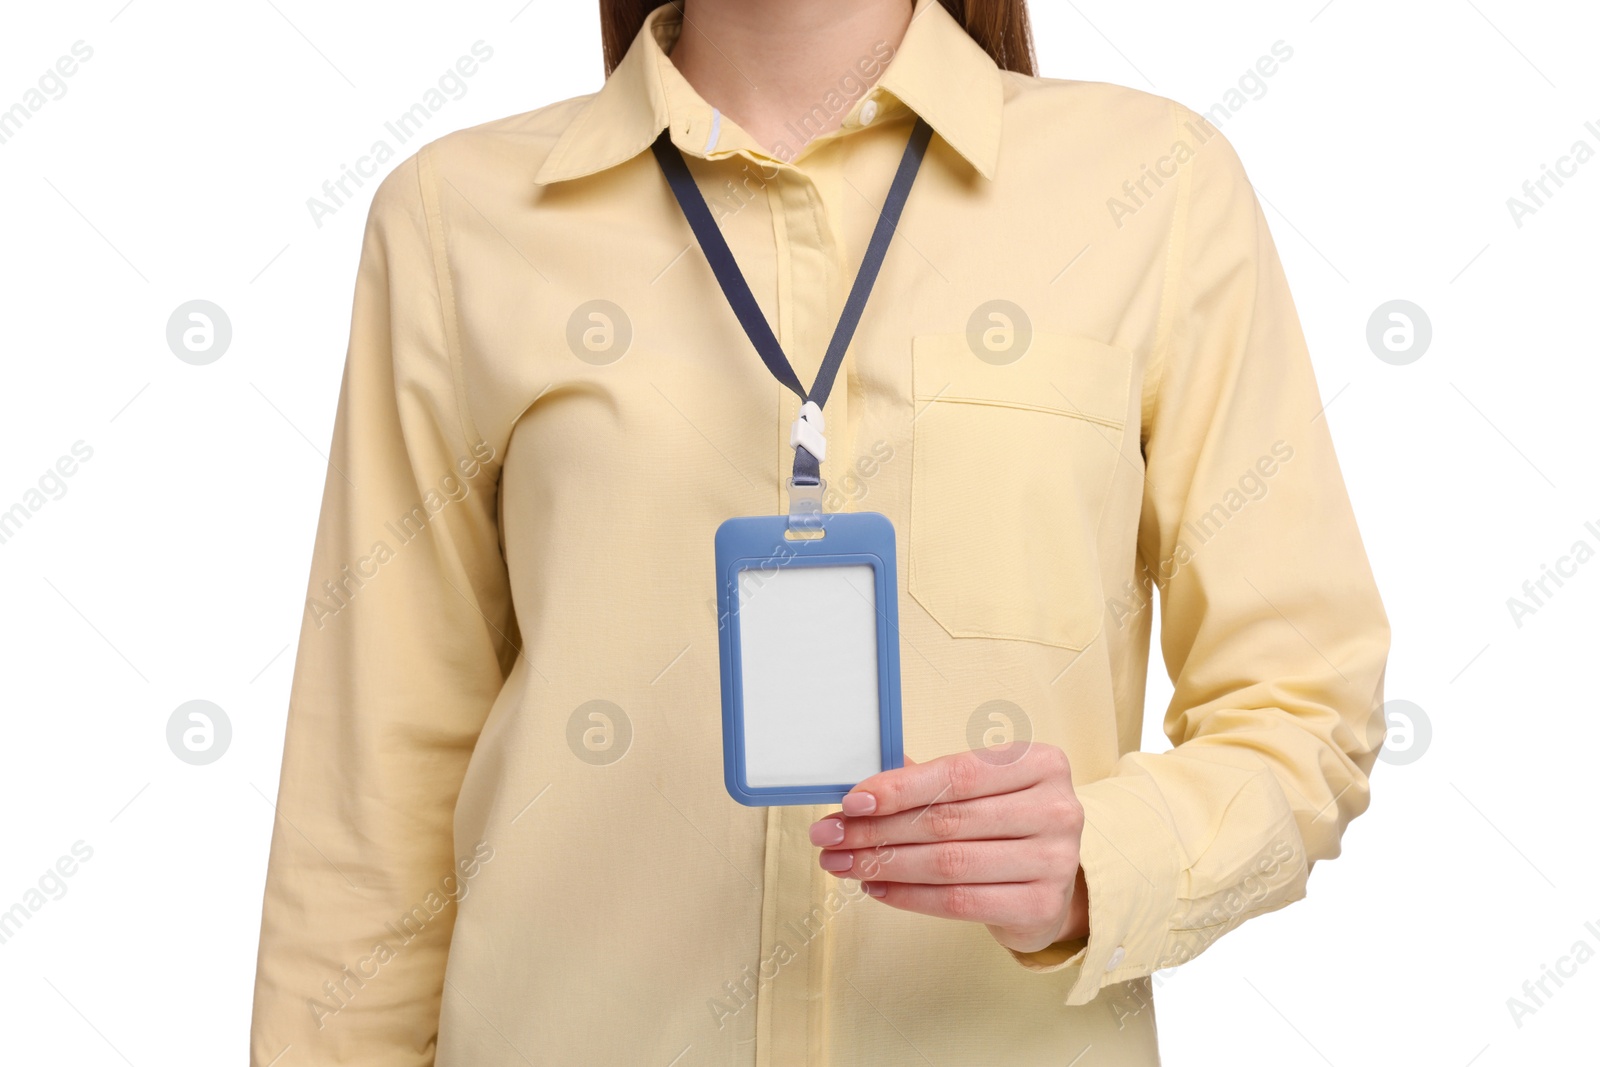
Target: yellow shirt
(503,835)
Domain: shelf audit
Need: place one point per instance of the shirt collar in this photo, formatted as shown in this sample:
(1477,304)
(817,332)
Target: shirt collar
(939,72)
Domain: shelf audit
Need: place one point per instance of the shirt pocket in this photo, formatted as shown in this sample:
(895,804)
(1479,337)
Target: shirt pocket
(1010,469)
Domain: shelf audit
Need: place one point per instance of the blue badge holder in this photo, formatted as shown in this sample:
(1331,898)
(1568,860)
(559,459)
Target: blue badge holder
(809,636)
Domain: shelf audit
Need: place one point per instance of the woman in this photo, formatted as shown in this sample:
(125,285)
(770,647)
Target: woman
(1080,379)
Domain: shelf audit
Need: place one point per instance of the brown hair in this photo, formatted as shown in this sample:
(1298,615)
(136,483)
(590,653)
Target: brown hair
(999,26)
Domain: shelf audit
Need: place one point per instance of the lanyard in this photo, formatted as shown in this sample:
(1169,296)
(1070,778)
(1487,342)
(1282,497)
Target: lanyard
(806,434)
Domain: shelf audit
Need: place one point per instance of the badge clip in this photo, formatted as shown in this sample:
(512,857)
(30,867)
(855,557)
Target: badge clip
(805,501)
(805,504)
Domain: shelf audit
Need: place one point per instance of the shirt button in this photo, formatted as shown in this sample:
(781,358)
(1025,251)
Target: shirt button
(869,111)
(1116,958)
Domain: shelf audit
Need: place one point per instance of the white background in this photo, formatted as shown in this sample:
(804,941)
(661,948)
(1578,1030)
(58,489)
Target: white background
(177,166)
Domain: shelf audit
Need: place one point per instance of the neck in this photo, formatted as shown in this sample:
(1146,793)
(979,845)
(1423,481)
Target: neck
(776,67)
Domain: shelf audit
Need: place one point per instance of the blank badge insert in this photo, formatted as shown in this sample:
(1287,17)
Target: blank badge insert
(809,642)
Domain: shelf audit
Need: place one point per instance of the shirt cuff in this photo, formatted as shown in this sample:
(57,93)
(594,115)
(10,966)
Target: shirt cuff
(1129,860)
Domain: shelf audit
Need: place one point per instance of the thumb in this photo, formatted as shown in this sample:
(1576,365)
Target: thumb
(909,762)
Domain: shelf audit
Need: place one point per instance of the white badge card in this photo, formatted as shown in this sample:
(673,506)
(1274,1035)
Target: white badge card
(809,636)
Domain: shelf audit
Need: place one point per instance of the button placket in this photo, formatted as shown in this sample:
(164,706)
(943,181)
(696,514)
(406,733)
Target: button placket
(805,274)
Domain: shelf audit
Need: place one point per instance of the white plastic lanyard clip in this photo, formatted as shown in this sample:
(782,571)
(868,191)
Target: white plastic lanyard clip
(805,501)
(807,431)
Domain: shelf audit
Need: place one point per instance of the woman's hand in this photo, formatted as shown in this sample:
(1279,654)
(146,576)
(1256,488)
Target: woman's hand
(988,836)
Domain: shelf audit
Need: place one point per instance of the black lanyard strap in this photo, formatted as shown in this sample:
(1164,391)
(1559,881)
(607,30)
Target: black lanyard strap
(743,302)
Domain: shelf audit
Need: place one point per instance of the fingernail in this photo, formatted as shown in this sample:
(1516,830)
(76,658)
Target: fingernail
(859,804)
(874,889)
(836,861)
(827,832)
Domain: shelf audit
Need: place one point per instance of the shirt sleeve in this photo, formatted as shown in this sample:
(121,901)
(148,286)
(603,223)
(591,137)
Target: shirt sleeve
(1272,629)
(407,639)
